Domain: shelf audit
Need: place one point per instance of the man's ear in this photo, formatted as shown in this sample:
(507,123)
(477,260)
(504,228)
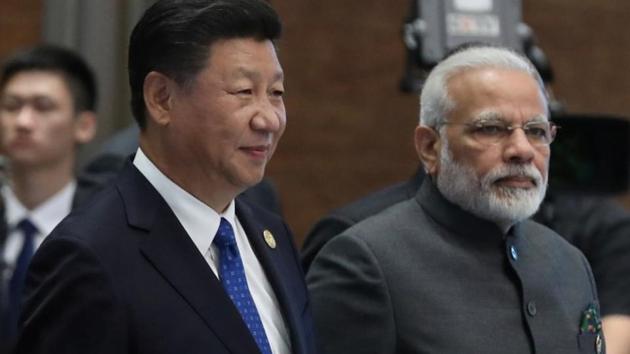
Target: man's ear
(85,127)
(428,146)
(158,94)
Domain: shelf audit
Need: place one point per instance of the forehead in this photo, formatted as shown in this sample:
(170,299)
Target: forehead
(244,56)
(37,83)
(509,93)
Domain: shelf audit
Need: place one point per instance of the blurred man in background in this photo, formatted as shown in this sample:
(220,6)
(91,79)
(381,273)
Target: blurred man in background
(47,109)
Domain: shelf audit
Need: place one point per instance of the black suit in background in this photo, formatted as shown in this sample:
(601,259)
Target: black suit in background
(3,297)
(150,290)
(7,342)
(340,219)
(597,226)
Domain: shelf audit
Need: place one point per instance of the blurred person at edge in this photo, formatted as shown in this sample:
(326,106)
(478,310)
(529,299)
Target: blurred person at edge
(47,109)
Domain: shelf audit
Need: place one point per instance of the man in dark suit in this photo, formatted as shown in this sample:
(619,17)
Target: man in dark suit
(459,268)
(166,260)
(47,110)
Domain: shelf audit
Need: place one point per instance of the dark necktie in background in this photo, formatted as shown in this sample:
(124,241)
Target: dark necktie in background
(232,274)
(16,284)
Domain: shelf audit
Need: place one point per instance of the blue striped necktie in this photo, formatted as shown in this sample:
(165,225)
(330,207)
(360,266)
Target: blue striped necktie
(232,274)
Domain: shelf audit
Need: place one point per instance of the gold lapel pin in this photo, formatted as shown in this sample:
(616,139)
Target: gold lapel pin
(271,241)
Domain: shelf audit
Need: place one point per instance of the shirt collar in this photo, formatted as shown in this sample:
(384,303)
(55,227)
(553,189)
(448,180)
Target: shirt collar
(46,215)
(200,221)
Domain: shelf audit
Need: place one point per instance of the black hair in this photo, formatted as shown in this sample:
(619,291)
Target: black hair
(174,37)
(74,70)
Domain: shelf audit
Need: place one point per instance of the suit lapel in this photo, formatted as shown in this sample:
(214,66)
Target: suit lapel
(173,254)
(278,271)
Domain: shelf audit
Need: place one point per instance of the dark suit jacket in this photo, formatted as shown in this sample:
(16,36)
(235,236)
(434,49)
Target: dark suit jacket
(101,172)
(122,276)
(4,345)
(340,219)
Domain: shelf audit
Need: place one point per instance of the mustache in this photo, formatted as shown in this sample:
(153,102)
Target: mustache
(513,170)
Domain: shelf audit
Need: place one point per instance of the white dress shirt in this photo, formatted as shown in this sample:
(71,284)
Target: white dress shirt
(45,217)
(201,224)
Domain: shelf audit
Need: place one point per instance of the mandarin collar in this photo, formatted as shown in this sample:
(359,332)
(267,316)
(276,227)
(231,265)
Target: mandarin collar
(455,219)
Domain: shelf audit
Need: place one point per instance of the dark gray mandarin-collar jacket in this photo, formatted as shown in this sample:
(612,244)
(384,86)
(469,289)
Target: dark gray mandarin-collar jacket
(425,276)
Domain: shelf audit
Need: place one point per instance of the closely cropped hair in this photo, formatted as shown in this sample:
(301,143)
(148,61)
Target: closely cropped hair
(173,37)
(74,70)
(435,102)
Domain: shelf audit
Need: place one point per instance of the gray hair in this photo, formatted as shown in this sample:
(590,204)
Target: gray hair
(435,102)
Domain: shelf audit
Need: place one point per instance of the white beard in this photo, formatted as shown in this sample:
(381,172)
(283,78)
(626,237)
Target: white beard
(504,206)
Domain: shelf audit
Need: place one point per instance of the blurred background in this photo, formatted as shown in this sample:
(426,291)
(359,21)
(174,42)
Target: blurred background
(349,126)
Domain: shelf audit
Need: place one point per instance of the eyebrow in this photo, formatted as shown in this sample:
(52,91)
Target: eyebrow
(488,116)
(30,97)
(255,75)
(494,116)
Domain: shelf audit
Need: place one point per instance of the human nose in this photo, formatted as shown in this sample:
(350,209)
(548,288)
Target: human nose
(25,117)
(518,148)
(270,116)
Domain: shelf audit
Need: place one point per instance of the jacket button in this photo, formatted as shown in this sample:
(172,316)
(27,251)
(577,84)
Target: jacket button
(531,308)
(513,253)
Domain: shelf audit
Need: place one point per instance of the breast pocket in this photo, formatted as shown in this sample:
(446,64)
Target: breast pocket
(591,343)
